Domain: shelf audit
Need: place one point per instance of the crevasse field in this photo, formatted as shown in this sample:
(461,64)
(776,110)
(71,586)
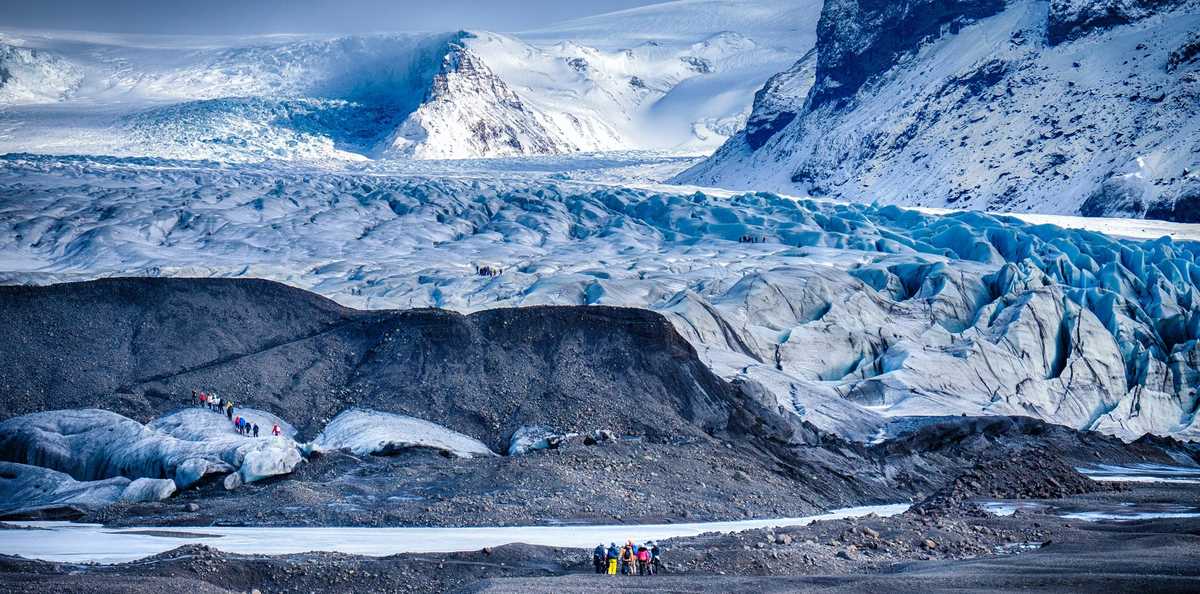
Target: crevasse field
(848,314)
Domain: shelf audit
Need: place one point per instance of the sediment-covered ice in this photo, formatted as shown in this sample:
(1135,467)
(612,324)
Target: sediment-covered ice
(845,314)
(92,444)
(528,439)
(26,488)
(366,432)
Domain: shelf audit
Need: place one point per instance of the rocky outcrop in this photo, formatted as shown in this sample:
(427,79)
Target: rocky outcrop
(1072,19)
(778,102)
(860,39)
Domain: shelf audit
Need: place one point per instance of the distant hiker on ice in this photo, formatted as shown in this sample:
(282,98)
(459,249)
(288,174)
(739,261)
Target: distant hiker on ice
(599,556)
(275,430)
(255,430)
(488,271)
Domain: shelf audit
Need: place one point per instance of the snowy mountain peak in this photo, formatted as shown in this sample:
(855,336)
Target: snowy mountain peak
(1065,107)
(469,111)
(671,78)
(30,75)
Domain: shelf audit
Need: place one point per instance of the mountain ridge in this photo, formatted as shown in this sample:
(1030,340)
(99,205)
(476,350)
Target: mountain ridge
(990,112)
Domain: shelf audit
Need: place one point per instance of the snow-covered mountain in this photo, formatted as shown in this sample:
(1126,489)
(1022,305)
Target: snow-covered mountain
(672,77)
(1055,106)
(844,314)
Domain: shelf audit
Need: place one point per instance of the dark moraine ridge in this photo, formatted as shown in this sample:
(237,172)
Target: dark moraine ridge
(137,346)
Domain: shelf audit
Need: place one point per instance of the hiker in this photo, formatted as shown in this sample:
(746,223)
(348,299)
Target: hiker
(275,430)
(643,560)
(215,402)
(598,558)
(255,429)
(611,557)
(229,410)
(655,559)
(627,559)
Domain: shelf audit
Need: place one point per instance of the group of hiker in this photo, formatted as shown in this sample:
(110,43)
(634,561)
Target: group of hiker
(631,559)
(216,404)
(752,239)
(488,271)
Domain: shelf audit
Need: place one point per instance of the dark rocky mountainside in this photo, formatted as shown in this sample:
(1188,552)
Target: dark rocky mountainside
(139,346)
(858,40)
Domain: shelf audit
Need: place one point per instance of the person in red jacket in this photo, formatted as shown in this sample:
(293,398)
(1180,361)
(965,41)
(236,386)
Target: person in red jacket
(643,561)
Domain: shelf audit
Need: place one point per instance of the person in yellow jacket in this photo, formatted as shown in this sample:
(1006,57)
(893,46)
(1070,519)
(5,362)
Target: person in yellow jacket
(613,553)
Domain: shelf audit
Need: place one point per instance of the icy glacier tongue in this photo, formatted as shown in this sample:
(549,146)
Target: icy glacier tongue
(366,432)
(1060,106)
(92,444)
(26,488)
(841,313)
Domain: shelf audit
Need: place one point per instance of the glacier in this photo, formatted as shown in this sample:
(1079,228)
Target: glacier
(90,458)
(844,314)
(93,444)
(670,77)
(27,489)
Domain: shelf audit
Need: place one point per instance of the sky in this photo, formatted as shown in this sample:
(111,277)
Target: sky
(241,17)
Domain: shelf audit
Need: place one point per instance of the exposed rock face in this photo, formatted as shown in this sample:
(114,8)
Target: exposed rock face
(779,101)
(860,39)
(1072,19)
(469,111)
(1089,108)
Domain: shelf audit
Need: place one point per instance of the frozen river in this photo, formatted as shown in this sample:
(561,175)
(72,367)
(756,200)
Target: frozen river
(65,541)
